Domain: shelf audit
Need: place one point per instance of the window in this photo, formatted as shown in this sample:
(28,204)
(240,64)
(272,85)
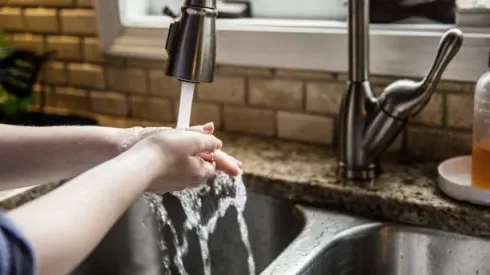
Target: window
(293,36)
(284,9)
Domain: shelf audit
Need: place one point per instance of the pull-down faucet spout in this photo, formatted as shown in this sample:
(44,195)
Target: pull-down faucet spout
(368,125)
(191,42)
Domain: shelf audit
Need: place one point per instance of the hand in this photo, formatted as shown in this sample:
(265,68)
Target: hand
(178,163)
(224,162)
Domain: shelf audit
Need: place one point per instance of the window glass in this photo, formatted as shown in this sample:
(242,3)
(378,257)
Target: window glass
(381,11)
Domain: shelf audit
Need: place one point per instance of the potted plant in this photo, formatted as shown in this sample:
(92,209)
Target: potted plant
(9,103)
(19,70)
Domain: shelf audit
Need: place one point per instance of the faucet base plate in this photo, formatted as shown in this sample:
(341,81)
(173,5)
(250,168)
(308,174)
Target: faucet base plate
(369,173)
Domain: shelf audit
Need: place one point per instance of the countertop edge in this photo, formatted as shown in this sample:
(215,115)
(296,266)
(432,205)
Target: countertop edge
(17,197)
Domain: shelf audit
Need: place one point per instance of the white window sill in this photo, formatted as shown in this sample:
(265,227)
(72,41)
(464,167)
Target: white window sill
(398,50)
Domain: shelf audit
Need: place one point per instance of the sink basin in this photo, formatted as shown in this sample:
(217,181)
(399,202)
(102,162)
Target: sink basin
(132,245)
(390,249)
(370,248)
(286,239)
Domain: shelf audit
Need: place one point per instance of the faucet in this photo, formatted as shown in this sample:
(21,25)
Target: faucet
(191,42)
(368,125)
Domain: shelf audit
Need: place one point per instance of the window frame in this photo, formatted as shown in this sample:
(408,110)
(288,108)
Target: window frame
(405,50)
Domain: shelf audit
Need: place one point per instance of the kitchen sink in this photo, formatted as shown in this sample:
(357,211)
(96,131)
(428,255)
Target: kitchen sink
(132,245)
(286,239)
(393,249)
(390,249)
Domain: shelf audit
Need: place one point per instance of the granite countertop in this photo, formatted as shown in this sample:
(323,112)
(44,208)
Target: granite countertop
(405,192)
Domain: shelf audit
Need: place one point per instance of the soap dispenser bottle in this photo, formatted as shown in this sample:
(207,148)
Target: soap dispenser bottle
(480,163)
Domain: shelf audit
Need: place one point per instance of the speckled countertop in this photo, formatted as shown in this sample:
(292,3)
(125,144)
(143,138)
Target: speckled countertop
(405,192)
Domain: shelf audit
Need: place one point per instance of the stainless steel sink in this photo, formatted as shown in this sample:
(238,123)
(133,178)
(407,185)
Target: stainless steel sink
(387,249)
(288,239)
(391,249)
(131,246)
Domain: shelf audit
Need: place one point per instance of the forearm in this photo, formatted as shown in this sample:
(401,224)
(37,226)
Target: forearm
(65,225)
(37,155)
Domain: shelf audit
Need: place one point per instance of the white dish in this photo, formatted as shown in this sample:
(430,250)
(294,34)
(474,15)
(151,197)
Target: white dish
(455,181)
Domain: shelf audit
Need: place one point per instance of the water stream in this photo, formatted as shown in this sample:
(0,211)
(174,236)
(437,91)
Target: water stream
(185,105)
(224,192)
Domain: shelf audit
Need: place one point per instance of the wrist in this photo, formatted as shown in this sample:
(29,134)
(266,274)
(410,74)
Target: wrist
(146,156)
(109,139)
(131,136)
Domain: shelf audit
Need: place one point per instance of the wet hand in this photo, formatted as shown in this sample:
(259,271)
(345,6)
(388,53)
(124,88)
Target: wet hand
(177,158)
(223,161)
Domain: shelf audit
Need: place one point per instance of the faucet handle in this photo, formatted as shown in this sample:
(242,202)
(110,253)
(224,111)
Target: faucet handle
(449,46)
(405,98)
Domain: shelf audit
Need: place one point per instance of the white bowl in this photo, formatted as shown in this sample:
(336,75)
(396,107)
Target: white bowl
(455,181)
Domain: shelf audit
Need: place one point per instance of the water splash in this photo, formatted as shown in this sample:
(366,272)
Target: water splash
(155,201)
(226,192)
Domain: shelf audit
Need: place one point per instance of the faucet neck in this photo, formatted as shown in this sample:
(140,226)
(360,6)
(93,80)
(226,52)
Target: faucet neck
(358,30)
(359,100)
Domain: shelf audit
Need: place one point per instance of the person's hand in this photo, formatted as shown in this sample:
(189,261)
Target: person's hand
(224,162)
(178,163)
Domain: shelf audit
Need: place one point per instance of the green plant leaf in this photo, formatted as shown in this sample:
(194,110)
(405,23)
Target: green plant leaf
(23,63)
(4,96)
(11,106)
(4,43)
(26,102)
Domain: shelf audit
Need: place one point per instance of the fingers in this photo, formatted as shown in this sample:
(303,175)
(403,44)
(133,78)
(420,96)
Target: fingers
(225,155)
(224,162)
(202,169)
(227,163)
(196,143)
(207,128)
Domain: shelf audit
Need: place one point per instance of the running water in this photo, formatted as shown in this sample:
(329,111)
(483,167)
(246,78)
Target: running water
(225,192)
(185,105)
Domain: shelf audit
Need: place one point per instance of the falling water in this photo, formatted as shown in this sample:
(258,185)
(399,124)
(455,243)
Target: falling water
(185,105)
(226,191)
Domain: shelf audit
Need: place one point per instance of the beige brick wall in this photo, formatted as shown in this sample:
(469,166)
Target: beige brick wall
(272,102)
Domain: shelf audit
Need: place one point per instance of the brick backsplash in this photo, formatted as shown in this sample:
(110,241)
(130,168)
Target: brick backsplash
(66,47)
(324,97)
(288,104)
(278,93)
(41,20)
(110,103)
(249,120)
(131,80)
(305,127)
